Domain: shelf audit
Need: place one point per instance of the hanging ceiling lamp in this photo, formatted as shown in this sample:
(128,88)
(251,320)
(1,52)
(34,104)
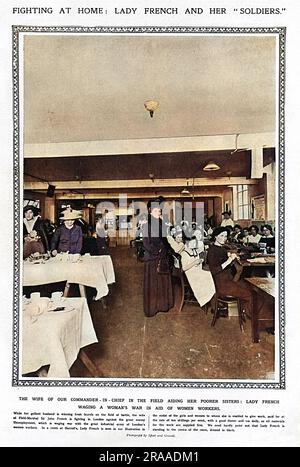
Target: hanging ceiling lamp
(185,190)
(151,106)
(211,166)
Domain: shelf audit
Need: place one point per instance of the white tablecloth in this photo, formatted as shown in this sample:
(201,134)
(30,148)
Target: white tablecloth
(55,338)
(92,271)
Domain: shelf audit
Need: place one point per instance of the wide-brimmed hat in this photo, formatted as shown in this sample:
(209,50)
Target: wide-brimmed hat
(70,215)
(32,208)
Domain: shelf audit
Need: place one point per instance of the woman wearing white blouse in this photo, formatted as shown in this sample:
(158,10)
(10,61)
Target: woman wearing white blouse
(191,253)
(254,236)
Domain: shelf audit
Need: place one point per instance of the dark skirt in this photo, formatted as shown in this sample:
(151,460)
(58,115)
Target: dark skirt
(158,291)
(32,247)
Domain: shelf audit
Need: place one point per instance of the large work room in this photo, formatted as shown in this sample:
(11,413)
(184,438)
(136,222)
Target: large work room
(149,229)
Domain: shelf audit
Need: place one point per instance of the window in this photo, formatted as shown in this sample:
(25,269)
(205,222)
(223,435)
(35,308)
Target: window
(31,202)
(258,208)
(242,202)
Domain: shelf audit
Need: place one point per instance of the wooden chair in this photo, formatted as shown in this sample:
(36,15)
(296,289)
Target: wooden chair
(228,299)
(188,292)
(183,291)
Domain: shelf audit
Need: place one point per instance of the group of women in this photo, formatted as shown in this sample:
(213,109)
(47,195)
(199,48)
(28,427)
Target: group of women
(252,236)
(160,241)
(159,238)
(67,237)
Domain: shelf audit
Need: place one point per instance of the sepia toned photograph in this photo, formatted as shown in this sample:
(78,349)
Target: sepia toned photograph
(149,233)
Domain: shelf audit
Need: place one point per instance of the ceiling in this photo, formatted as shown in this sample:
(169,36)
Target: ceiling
(92,88)
(131,167)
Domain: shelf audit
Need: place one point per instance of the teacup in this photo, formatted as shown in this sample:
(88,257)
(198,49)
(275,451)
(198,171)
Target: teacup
(35,296)
(56,296)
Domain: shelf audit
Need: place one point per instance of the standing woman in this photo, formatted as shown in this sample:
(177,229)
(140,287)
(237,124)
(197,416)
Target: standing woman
(220,262)
(158,291)
(101,238)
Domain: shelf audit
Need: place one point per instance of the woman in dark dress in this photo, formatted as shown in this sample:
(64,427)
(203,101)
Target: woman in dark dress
(68,237)
(158,291)
(220,262)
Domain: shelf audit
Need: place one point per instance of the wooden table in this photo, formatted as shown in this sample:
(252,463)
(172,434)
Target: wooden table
(57,338)
(263,289)
(258,266)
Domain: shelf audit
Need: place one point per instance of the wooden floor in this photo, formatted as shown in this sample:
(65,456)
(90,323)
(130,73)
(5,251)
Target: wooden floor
(169,345)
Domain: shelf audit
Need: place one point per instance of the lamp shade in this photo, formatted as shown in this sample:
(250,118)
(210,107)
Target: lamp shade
(151,106)
(185,191)
(211,166)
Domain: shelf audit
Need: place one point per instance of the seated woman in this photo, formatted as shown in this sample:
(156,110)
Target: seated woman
(254,237)
(244,235)
(268,236)
(192,253)
(237,234)
(220,261)
(68,237)
(267,231)
(34,234)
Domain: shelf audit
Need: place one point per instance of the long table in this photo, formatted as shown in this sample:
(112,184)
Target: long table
(55,338)
(92,271)
(259,266)
(263,289)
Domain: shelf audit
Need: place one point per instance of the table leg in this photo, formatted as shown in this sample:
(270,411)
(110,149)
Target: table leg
(82,290)
(89,364)
(254,319)
(66,290)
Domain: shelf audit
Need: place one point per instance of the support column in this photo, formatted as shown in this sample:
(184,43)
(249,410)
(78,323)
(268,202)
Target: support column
(49,209)
(257,165)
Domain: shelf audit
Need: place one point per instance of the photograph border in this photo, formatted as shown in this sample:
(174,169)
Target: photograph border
(18,190)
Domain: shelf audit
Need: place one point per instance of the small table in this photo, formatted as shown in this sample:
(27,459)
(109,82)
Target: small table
(55,338)
(263,289)
(92,271)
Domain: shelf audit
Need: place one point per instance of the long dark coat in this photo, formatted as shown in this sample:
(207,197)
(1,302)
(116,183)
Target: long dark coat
(158,290)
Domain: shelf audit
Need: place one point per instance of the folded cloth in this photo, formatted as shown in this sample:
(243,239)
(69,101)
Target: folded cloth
(257,260)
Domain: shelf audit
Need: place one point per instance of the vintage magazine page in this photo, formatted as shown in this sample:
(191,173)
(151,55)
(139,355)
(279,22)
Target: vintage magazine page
(149,174)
